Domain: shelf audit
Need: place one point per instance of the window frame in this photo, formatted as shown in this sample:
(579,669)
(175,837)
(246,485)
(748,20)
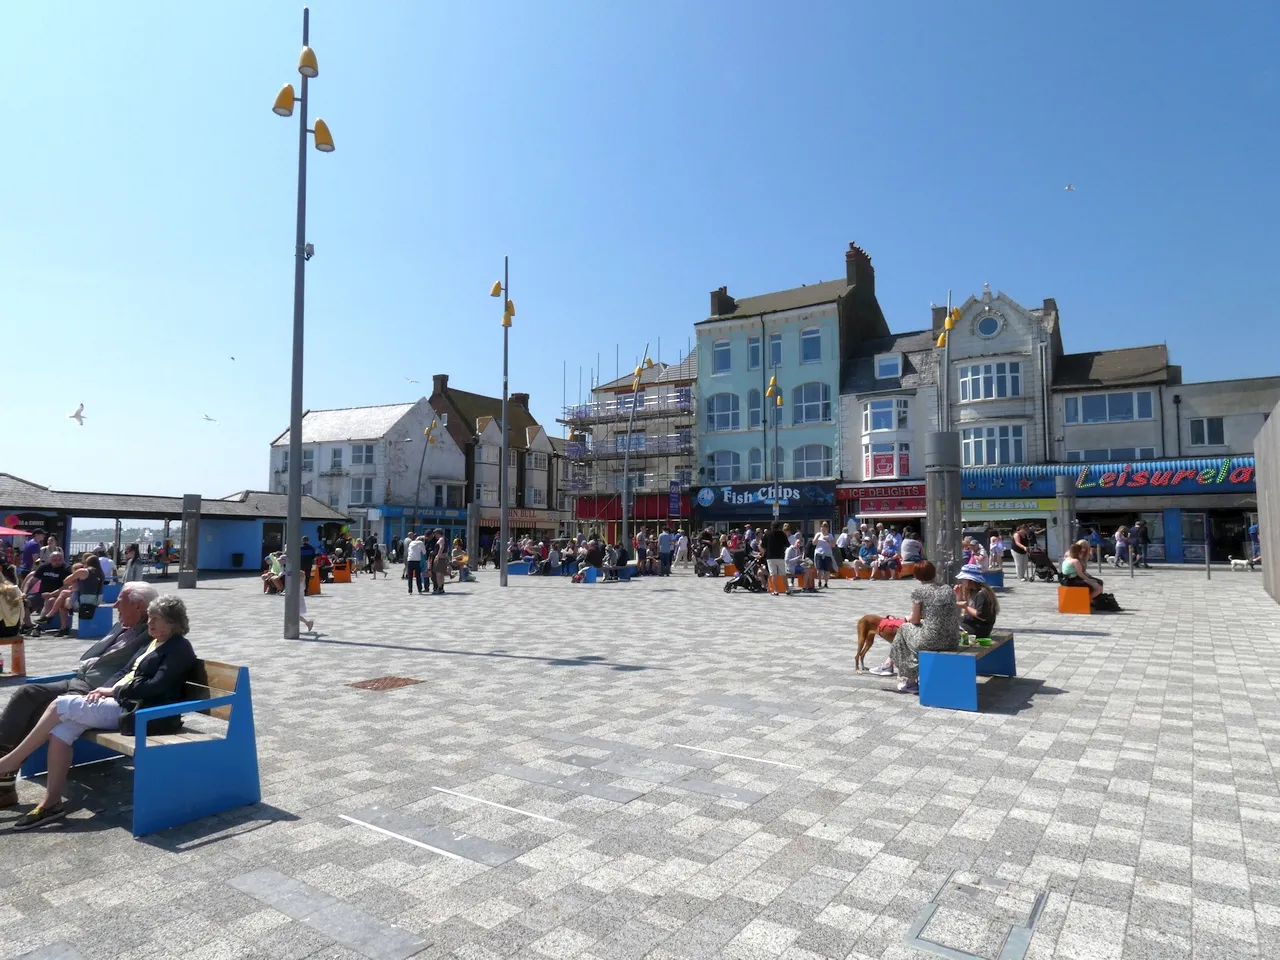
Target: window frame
(1073,407)
(775,350)
(895,359)
(988,375)
(899,414)
(366,455)
(800,404)
(716,347)
(755,352)
(755,409)
(733,413)
(809,336)
(365,497)
(991,439)
(1206,437)
(309,460)
(755,465)
(535,496)
(335,458)
(531,460)
(734,466)
(824,461)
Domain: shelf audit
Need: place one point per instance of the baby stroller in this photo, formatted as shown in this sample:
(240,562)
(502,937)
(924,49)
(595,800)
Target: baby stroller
(1043,568)
(747,577)
(706,567)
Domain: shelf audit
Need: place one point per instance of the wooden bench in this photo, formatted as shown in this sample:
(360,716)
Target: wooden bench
(950,678)
(182,776)
(1075,600)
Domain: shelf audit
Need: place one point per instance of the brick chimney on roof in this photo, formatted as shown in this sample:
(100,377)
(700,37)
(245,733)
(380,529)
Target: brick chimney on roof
(521,400)
(858,270)
(939,318)
(440,383)
(722,305)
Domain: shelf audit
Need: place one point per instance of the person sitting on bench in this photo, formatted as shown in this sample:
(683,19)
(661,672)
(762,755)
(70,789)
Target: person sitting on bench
(866,555)
(887,562)
(978,604)
(156,676)
(1075,569)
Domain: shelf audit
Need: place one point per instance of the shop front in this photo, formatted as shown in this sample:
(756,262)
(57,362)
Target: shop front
(399,521)
(803,504)
(983,517)
(602,515)
(520,521)
(893,504)
(1189,506)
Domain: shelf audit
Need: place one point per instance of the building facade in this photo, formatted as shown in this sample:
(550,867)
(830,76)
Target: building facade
(369,464)
(648,433)
(768,388)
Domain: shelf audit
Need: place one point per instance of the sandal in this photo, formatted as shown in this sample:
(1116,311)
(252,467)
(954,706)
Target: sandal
(38,815)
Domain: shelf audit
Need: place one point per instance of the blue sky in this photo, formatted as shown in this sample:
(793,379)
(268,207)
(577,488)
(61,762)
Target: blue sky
(629,159)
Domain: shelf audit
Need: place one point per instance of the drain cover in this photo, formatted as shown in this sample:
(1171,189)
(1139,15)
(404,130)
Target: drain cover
(384,683)
(973,917)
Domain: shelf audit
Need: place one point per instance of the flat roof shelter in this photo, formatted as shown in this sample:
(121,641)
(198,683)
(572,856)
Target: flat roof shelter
(236,532)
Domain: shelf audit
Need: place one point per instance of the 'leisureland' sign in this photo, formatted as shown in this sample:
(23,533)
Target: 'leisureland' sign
(1140,478)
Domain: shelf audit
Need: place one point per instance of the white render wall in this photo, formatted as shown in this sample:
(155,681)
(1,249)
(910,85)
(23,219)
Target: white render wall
(1243,405)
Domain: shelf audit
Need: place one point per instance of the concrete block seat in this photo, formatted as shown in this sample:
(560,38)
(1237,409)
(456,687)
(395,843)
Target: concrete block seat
(950,679)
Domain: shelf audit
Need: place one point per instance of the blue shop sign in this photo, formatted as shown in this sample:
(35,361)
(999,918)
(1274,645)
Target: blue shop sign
(751,500)
(1139,478)
(432,513)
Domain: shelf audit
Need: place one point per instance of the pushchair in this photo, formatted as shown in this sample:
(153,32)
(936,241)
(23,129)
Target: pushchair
(747,577)
(1043,568)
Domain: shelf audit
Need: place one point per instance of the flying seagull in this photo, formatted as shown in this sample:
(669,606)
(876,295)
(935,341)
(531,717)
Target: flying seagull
(78,416)
(233,358)
(1070,186)
(210,419)
(411,380)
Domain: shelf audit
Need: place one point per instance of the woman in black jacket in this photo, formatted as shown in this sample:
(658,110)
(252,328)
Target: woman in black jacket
(158,676)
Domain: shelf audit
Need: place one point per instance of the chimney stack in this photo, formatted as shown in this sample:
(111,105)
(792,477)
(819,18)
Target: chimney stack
(440,383)
(939,319)
(858,270)
(521,400)
(722,305)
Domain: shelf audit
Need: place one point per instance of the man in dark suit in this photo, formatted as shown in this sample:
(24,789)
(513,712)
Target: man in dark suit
(102,665)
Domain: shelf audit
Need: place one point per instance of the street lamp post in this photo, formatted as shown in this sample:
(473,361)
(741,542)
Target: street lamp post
(417,492)
(775,392)
(626,452)
(502,288)
(283,107)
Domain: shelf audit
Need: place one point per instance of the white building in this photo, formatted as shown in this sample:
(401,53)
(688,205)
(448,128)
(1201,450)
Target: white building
(368,462)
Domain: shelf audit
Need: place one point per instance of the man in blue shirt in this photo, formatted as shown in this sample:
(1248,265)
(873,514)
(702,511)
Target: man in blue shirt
(666,545)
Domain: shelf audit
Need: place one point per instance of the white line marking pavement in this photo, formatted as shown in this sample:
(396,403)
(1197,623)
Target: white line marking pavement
(738,756)
(502,806)
(416,843)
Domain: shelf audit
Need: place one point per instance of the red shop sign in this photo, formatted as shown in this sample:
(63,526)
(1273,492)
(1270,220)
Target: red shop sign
(874,505)
(882,465)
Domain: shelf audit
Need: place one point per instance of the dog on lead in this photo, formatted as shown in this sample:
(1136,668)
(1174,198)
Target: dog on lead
(869,627)
(1239,566)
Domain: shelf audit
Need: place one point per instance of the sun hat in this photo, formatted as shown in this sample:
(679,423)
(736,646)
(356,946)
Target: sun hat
(971,571)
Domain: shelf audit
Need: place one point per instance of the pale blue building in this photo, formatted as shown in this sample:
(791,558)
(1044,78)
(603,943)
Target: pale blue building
(794,340)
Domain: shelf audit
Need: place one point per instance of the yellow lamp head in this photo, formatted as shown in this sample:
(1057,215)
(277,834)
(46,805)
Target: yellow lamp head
(324,139)
(283,107)
(506,319)
(496,289)
(434,424)
(648,362)
(773,383)
(638,373)
(511,308)
(779,399)
(307,63)
(942,339)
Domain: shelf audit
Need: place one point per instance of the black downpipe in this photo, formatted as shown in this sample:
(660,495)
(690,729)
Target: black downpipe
(1177,420)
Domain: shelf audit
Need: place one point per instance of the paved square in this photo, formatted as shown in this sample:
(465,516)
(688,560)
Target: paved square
(658,769)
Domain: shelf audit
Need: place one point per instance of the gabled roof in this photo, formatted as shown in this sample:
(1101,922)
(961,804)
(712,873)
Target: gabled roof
(558,444)
(686,371)
(860,373)
(1107,368)
(648,375)
(472,407)
(347,423)
(18,494)
(807,296)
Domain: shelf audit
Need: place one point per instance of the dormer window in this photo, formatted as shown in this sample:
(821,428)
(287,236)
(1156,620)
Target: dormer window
(888,366)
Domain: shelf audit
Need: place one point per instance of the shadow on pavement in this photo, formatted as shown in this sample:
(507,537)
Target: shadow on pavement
(498,654)
(1012,695)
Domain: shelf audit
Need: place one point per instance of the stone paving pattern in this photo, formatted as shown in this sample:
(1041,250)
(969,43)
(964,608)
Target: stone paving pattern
(1128,772)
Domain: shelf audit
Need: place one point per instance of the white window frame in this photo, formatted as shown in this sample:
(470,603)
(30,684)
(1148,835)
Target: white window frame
(486,492)
(755,464)
(535,496)
(775,350)
(732,412)
(308,488)
(716,354)
(755,416)
(808,337)
(888,358)
(987,438)
(535,461)
(309,460)
(899,410)
(635,440)
(361,454)
(984,381)
(801,406)
(755,352)
(733,466)
(335,498)
(365,497)
(489,453)
(1073,407)
(335,458)
(823,461)
(284,461)
(513,457)
(1205,440)
(1082,456)
(869,449)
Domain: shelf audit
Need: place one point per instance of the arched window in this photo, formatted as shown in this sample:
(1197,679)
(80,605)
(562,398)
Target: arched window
(811,461)
(753,409)
(811,403)
(722,412)
(724,466)
(755,464)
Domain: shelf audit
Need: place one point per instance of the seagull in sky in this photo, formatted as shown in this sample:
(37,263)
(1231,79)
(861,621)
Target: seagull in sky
(210,419)
(78,416)
(411,380)
(1070,186)
(233,358)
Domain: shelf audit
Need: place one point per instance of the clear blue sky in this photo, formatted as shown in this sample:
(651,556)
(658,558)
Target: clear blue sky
(629,159)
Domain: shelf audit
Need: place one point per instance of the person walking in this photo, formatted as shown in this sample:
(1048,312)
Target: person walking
(413,563)
(666,548)
(1141,541)
(824,555)
(776,543)
(682,549)
(1019,549)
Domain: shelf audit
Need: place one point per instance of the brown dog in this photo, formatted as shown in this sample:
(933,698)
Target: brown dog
(868,630)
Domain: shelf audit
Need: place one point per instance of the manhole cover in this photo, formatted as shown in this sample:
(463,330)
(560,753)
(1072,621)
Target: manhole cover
(973,916)
(384,683)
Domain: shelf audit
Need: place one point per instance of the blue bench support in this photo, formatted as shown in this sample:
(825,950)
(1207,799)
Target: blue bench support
(994,578)
(517,568)
(950,679)
(627,572)
(591,576)
(182,777)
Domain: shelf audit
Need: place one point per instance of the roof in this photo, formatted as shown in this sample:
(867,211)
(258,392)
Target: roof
(558,445)
(860,373)
(347,423)
(686,371)
(807,296)
(1102,368)
(648,375)
(18,494)
(473,407)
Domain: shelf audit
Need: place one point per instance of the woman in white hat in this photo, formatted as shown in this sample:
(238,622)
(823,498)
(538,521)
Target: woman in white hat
(978,604)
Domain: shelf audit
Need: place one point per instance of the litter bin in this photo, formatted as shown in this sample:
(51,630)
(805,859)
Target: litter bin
(237,560)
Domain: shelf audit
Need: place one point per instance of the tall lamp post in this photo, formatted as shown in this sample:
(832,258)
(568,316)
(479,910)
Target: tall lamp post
(502,288)
(302,251)
(775,392)
(417,493)
(645,363)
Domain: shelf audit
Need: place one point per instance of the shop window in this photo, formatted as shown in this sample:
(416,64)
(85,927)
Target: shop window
(993,446)
(990,381)
(1207,432)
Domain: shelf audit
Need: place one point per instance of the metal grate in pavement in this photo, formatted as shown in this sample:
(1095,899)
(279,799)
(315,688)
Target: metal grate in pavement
(973,917)
(384,683)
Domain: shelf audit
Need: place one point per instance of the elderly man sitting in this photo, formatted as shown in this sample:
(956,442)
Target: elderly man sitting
(102,665)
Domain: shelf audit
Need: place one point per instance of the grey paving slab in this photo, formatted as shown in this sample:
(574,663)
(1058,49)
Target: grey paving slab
(55,951)
(454,841)
(1128,773)
(740,794)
